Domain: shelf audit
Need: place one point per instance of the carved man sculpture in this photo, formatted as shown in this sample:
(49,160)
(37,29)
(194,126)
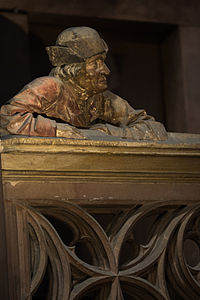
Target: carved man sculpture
(74,96)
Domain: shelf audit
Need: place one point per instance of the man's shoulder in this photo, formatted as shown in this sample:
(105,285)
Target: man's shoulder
(47,81)
(113,97)
(47,86)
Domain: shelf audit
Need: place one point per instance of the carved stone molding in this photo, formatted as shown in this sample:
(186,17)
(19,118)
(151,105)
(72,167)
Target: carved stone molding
(139,253)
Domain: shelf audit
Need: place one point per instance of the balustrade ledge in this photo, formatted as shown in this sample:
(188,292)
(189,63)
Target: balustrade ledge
(107,219)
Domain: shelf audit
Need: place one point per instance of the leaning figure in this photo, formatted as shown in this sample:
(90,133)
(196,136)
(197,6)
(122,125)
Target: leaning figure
(75,97)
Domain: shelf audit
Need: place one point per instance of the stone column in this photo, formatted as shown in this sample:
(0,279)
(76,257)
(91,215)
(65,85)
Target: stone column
(181,63)
(3,250)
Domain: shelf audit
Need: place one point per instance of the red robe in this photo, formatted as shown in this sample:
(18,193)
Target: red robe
(42,104)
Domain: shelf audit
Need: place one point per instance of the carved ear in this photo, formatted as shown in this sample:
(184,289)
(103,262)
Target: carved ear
(59,56)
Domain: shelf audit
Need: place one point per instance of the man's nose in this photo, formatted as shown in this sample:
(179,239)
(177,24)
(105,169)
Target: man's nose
(105,70)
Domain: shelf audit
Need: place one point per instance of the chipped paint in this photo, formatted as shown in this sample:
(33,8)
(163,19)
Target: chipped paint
(14,183)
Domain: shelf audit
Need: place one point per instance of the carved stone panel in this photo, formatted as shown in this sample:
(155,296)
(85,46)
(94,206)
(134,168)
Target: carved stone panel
(102,219)
(138,253)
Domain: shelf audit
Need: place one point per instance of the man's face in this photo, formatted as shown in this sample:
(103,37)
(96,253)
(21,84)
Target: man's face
(94,77)
(97,72)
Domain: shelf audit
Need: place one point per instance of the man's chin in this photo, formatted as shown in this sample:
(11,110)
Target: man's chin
(102,87)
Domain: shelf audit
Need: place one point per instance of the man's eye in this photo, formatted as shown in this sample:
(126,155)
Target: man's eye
(93,64)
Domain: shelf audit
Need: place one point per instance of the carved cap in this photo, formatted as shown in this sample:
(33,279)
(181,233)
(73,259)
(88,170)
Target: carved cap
(76,44)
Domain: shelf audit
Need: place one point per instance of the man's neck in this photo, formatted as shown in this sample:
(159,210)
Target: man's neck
(82,93)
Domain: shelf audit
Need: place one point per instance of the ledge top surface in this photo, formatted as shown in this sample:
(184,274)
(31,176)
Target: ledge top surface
(178,156)
(175,142)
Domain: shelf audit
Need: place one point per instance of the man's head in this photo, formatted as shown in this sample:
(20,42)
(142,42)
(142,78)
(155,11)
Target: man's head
(80,53)
(75,45)
(93,74)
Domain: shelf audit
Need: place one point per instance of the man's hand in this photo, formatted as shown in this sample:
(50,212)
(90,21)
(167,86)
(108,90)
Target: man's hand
(67,131)
(109,129)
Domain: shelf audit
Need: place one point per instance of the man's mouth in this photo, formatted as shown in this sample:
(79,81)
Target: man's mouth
(103,80)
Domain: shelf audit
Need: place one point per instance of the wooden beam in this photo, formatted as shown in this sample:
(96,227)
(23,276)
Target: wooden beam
(175,12)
